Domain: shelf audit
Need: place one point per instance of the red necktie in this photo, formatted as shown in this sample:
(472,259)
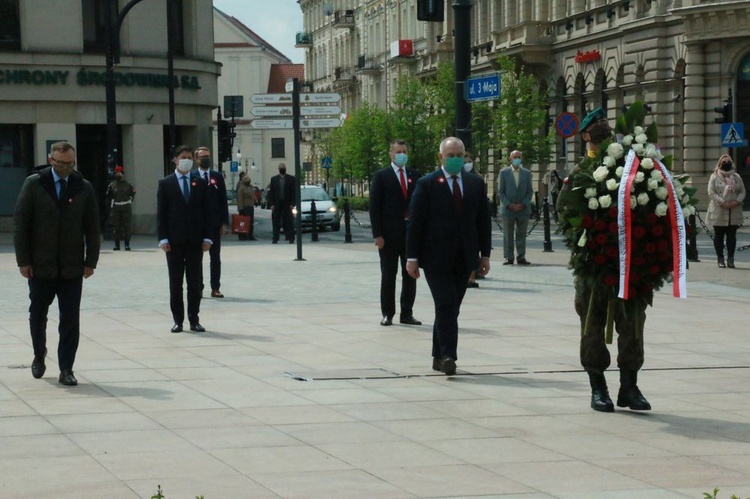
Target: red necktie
(403,182)
(457,199)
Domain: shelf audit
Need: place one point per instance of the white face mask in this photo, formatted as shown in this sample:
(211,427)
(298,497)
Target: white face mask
(468,166)
(184,165)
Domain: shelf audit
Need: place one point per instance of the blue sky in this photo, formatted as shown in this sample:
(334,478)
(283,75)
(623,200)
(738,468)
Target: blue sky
(277,21)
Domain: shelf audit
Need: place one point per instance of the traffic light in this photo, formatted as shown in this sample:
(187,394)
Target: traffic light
(430,10)
(225,134)
(725,111)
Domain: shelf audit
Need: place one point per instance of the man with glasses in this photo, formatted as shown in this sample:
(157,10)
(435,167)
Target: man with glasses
(56,240)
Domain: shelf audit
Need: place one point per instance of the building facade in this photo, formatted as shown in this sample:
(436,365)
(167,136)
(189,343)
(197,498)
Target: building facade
(684,58)
(52,66)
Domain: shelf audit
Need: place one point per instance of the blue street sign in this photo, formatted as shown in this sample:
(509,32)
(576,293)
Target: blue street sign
(326,162)
(733,135)
(234,166)
(479,88)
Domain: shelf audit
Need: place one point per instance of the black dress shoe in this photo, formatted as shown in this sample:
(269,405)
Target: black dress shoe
(66,378)
(436,363)
(177,328)
(508,261)
(523,261)
(196,326)
(37,367)
(472,285)
(410,321)
(386,321)
(600,400)
(127,247)
(448,366)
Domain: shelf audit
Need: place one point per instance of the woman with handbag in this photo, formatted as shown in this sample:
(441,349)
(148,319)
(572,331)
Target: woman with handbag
(246,206)
(727,192)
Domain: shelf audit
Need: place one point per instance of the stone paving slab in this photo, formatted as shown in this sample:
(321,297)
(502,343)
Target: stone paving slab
(218,413)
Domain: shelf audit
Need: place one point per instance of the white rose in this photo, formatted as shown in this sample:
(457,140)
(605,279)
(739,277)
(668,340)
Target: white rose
(619,171)
(609,161)
(680,191)
(657,175)
(685,199)
(590,192)
(661,209)
(638,148)
(652,184)
(662,193)
(593,204)
(601,173)
(639,177)
(690,210)
(651,151)
(612,184)
(633,202)
(641,138)
(647,163)
(615,150)
(605,201)
(582,240)
(627,140)
(643,199)
(639,130)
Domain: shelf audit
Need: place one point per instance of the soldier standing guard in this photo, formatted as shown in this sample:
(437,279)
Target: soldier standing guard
(120,194)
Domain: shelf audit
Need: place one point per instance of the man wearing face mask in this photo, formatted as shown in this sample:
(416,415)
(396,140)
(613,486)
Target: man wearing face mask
(218,214)
(182,208)
(390,194)
(120,194)
(57,246)
(282,194)
(448,231)
(514,192)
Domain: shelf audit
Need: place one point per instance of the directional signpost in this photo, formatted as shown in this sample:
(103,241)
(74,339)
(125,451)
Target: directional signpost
(484,87)
(271,124)
(320,123)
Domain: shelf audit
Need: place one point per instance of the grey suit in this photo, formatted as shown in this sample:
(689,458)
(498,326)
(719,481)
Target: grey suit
(515,223)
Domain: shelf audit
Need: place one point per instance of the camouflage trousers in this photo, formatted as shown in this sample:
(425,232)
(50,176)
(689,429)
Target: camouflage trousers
(629,319)
(121,216)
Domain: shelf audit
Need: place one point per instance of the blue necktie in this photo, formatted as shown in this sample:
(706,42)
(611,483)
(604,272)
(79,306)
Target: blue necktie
(185,188)
(63,190)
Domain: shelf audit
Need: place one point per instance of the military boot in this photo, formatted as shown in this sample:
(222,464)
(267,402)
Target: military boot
(630,396)
(117,246)
(127,244)
(600,400)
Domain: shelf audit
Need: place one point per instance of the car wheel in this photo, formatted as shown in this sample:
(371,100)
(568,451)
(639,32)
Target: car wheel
(336,227)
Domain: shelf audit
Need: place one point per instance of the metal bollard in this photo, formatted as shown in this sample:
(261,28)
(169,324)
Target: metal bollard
(536,205)
(692,246)
(347,222)
(547,235)
(314,221)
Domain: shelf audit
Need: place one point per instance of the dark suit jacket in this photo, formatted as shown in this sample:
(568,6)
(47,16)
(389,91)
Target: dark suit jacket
(273,197)
(387,202)
(181,222)
(437,231)
(218,210)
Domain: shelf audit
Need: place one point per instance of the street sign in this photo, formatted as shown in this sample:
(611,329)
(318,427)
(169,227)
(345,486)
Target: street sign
(318,98)
(271,99)
(319,110)
(326,162)
(234,106)
(320,123)
(271,124)
(234,166)
(733,135)
(566,124)
(272,111)
(479,88)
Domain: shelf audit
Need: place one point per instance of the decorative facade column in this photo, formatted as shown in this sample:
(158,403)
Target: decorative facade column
(694,127)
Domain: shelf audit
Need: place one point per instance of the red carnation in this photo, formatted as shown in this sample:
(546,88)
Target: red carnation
(657,230)
(662,245)
(612,212)
(639,261)
(587,222)
(635,276)
(600,225)
(650,247)
(610,280)
(639,232)
(601,238)
(612,251)
(613,227)
(653,270)
(591,244)
(600,259)
(651,218)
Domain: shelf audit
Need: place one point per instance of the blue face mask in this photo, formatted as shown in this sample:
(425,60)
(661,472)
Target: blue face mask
(454,165)
(517,161)
(400,158)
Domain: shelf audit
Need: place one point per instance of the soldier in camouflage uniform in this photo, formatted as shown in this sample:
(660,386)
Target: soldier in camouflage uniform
(629,321)
(120,194)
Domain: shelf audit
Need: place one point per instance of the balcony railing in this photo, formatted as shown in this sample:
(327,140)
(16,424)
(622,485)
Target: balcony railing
(343,19)
(368,65)
(343,75)
(303,39)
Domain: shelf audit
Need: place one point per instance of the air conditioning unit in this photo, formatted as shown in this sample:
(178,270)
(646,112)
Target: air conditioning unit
(402,48)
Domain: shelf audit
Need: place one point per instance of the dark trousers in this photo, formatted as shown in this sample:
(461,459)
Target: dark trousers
(214,254)
(121,220)
(282,215)
(728,231)
(185,261)
(630,317)
(394,251)
(41,293)
(448,288)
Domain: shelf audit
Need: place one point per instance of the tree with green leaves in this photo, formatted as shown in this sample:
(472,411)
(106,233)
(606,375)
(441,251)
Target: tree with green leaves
(410,120)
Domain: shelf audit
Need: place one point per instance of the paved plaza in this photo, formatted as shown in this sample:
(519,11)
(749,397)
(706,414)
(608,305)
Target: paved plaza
(295,390)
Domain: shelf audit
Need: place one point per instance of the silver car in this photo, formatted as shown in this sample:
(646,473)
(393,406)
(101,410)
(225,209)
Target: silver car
(327,213)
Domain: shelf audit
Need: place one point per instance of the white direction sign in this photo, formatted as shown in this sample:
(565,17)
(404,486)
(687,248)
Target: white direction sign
(319,110)
(271,124)
(318,98)
(271,99)
(320,123)
(272,111)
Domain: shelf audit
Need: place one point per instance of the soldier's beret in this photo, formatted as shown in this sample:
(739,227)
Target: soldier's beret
(594,116)
(118,169)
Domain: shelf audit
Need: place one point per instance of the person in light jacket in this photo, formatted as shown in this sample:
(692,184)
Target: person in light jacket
(727,192)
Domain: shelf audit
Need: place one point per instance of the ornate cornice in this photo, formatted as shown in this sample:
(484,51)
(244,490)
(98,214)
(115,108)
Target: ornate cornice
(714,21)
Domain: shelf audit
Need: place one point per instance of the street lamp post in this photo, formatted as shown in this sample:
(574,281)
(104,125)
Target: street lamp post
(462,19)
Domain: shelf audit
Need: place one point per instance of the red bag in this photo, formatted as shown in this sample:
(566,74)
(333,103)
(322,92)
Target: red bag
(240,224)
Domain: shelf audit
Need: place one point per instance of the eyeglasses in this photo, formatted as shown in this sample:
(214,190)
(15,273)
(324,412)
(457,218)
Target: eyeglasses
(64,164)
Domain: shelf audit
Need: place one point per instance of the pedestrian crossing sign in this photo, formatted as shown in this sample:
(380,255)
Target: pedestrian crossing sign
(733,135)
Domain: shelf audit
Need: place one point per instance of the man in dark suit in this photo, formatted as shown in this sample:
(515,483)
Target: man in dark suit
(57,246)
(390,193)
(282,194)
(182,219)
(218,214)
(448,229)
